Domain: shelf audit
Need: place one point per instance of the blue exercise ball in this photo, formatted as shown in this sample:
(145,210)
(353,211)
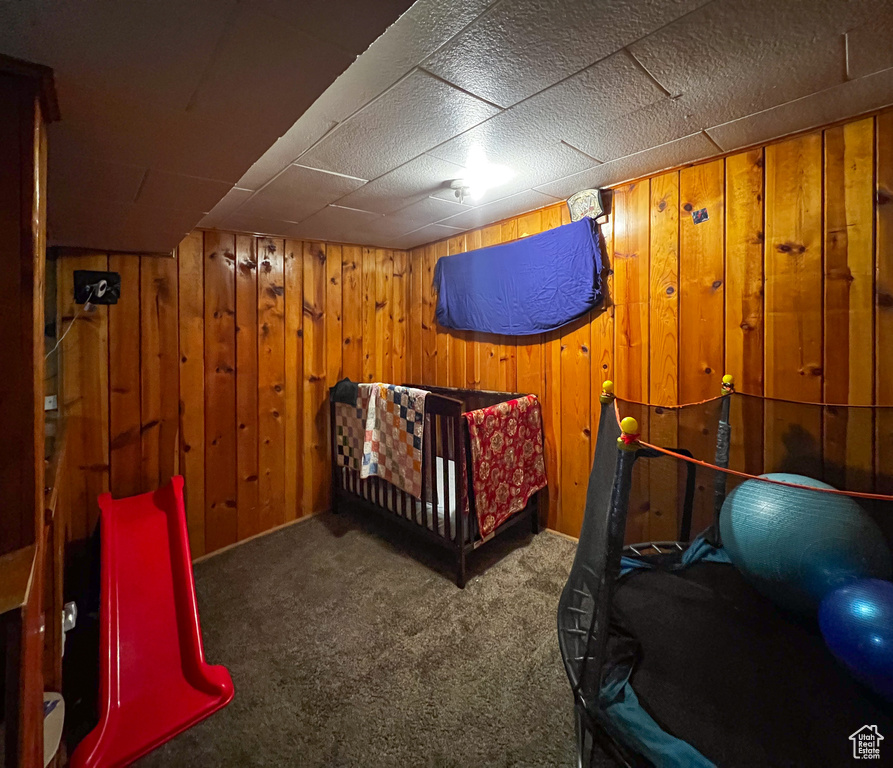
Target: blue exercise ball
(857,624)
(796,545)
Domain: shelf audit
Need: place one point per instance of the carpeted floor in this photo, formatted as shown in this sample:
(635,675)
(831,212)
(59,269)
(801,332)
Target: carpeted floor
(348,648)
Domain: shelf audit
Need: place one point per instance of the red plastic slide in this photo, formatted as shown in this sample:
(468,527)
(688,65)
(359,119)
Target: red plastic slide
(154,681)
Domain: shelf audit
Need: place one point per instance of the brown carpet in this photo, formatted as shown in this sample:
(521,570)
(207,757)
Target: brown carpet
(349,647)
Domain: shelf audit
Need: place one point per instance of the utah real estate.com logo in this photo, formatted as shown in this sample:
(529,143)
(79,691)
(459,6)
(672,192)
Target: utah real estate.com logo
(867,743)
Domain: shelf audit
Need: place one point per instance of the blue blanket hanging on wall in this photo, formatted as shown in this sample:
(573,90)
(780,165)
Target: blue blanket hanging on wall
(529,286)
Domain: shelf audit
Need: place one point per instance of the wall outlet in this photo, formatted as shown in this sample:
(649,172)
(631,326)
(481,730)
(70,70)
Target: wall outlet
(49,403)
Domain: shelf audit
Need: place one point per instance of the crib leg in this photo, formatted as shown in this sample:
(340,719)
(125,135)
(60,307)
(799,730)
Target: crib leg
(460,569)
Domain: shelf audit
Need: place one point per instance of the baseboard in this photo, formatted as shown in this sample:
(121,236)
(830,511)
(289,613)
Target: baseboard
(228,547)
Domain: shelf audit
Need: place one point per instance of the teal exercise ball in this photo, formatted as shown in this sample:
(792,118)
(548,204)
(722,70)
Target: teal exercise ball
(795,545)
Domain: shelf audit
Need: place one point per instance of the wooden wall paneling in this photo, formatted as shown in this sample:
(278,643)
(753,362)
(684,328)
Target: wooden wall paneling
(159,330)
(429,322)
(601,328)
(293,266)
(575,376)
(848,448)
(384,307)
(334,315)
(271,402)
(84,384)
(124,381)
(744,305)
(443,335)
(316,414)
(399,290)
(631,336)
(663,424)
(793,305)
(529,349)
(369,314)
(414,353)
(473,340)
(701,315)
(456,358)
(508,371)
(491,352)
(248,491)
(221,486)
(883,302)
(191,279)
(352,311)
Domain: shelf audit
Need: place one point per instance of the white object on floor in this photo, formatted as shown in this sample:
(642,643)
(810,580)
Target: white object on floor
(53,720)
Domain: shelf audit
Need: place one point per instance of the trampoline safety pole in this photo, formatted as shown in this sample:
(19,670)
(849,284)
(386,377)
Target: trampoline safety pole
(723,439)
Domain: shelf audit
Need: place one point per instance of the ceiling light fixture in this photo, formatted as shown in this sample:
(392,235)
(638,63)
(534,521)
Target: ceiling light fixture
(480,176)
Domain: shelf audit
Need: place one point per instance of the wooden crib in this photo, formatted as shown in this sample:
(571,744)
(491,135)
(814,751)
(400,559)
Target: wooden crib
(437,515)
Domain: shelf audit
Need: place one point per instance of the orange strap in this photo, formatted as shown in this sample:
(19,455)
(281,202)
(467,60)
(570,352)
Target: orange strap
(746,476)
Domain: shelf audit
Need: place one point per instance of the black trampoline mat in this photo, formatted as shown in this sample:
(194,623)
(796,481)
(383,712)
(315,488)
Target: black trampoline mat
(743,682)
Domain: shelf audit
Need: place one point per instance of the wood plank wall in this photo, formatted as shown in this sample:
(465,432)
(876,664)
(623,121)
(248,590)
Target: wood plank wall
(788,286)
(216,365)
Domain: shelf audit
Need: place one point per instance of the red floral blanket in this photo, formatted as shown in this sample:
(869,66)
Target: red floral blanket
(506,459)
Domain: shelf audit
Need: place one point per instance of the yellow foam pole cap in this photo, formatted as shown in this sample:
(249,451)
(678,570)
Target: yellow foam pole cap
(728,384)
(628,441)
(629,426)
(607,392)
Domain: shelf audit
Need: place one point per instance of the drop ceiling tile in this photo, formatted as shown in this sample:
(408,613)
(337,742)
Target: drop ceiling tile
(100,179)
(309,129)
(533,162)
(731,39)
(762,84)
(415,35)
(428,234)
(297,193)
(337,23)
(227,206)
(685,150)
(869,47)
(257,225)
(337,225)
(420,214)
(500,209)
(121,130)
(418,113)
(546,41)
(170,190)
(257,58)
(850,98)
(409,183)
(152,52)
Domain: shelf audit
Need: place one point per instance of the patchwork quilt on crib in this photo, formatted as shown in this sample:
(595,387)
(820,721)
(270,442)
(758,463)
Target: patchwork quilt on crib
(506,459)
(382,435)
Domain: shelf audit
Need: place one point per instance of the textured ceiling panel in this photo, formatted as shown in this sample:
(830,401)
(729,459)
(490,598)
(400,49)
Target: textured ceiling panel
(288,148)
(428,25)
(424,212)
(297,193)
(418,113)
(870,47)
(170,190)
(335,224)
(421,236)
(728,38)
(228,205)
(793,73)
(523,46)
(410,182)
(685,150)
(151,52)
(500,209)
(104,180)
(188,89)
(533,163)
(851,98)
(344,24)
